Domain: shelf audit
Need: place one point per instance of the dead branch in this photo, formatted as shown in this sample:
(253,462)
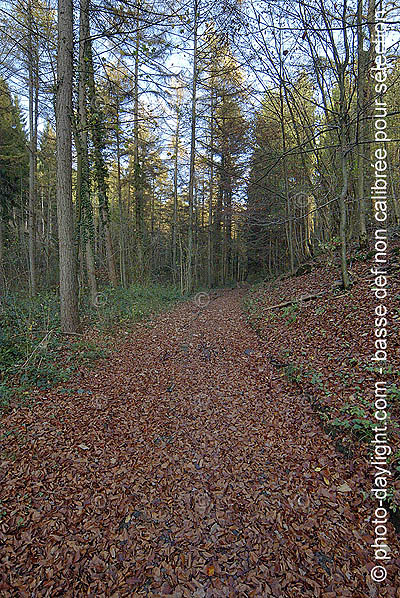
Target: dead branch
(301,299)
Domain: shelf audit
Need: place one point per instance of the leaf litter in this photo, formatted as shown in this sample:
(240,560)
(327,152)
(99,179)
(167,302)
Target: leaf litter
(190,469)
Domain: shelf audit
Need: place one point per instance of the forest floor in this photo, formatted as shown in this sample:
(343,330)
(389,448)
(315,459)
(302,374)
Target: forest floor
(192,462)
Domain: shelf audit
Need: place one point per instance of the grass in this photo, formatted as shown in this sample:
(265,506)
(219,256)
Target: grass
(34,354)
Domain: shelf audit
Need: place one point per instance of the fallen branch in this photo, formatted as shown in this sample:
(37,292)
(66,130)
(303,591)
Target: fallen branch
(301,299)
(38,346)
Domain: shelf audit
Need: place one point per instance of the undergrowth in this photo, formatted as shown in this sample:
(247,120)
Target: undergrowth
(34,354)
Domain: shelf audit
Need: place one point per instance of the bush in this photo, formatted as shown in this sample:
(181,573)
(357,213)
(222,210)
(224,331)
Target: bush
(30,339)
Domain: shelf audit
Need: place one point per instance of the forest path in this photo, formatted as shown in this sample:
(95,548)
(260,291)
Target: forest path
(183,466)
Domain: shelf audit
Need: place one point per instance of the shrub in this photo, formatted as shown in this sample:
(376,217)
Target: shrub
(31,342)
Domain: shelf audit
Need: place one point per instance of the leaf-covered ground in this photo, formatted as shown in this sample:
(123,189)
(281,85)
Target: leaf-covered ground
(325,347)
(185,465)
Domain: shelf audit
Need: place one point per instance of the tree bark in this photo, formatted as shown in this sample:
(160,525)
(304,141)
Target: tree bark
(175,208)
(361,117)
(65,214)
(189,272)
(33,124)
(122,265)
(139,207)
(285,173)
(342,208)
(100,166)
(83,178)
(2,272)
(210,198)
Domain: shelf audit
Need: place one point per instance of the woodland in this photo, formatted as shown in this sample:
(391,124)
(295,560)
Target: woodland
(188,222)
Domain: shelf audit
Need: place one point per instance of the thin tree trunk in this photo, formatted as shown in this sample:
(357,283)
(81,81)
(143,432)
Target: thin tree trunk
(33,121)
(189,274)
(91,274)
(394,195)
(48,235)
(210,199)
(122,265)
(361,116)
(285,178)
(342,207)
(2,269)
(218,232)
(112,272)
(175,208)
(83,182)
(139,208)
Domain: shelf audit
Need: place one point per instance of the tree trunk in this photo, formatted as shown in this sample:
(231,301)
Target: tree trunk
(2,270)
(285,174)
(396,206)
(65,214)
(175,208)
(139,207)
(33,122)
(100,166)
(122,265)
(210,199)
(91,274)
(189,273)
(218,233)
(112,272)
(342,207)
(361,118)
(83,176)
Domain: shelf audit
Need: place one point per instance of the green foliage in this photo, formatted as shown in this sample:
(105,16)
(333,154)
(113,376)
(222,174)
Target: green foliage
(271,316)
(13,153)
(294,373)
(290,312)
(28,345)
(395,463)
(392,500)
(120,306)
(43,376)
(316,379)
(355,421)
(299,374)
(329,246)
(248,302)
(24,322)
(6,394)
(35,355)
(85,352)
(394,393)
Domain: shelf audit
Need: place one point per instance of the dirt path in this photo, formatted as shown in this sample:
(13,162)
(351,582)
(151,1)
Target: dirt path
(181,467)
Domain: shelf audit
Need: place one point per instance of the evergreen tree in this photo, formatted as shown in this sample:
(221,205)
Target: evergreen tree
(13,167)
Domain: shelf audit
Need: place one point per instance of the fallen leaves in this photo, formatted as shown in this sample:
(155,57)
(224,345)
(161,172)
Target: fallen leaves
(344,488)
(181,473)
